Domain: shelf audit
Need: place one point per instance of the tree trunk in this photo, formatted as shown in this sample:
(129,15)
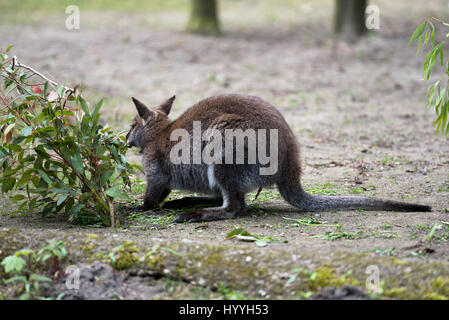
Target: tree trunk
(204,17)
(349,20)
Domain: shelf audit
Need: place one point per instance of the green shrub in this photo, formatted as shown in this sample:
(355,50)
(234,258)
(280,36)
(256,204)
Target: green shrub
(55,156)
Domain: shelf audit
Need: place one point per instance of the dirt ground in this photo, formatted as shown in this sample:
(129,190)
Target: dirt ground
(358,112)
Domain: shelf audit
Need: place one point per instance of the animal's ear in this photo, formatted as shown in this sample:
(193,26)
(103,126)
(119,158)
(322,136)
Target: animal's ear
(166,106)
(142,109)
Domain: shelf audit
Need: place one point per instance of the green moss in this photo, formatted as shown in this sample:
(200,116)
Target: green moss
(397,262)
(441,286)
(154,262)
(87,247)
(397,293)
(435,289)
(325,277)
(87,250)
(435,296)
(124,256)
(103,257)
(320,278)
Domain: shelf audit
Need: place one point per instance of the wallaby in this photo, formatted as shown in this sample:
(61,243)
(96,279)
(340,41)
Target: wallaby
(226,182)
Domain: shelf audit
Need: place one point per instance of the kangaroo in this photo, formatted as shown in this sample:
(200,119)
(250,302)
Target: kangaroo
(227,183)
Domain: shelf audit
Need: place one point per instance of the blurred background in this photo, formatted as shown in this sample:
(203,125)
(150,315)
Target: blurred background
(341,87)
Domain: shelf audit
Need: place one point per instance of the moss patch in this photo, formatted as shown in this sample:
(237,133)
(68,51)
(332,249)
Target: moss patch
(124,256)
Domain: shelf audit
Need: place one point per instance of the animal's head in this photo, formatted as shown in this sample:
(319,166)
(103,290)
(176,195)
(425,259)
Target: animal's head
(149,123)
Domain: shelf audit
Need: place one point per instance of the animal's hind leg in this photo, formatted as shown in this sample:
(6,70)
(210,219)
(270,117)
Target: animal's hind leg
(188,202)
(233,205)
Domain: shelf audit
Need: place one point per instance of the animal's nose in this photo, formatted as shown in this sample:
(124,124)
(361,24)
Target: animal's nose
(129,143)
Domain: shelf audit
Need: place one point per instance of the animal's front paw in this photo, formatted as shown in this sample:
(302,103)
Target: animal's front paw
(193,216)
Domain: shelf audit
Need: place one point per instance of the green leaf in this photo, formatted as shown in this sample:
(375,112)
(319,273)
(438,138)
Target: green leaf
(418,32)
(242,234)
(24,252)
(25,296)
(60,90)
(13,263)
(65,153)
(16,278)
(117,194)
(18,197)
(61,199)
(236,232)
(105,175)
(77,208)
(426,39)
(26,131)
(431,233)
(45,88)
(85,196)
(38,277)
(41,152)
(419,45)
(97,108)
(45,257)
(432,38)
(44,176)
(77,163)
(84,105)
(8,184)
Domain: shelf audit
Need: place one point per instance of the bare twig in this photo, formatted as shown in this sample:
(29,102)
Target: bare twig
(54,84)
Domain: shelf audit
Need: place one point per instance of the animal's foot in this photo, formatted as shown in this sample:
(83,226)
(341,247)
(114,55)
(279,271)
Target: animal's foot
(192,216)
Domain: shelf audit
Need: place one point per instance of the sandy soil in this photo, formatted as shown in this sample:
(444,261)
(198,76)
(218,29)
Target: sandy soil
(358,111)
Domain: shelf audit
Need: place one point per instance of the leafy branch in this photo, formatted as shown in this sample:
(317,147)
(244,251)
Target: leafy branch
(437,96)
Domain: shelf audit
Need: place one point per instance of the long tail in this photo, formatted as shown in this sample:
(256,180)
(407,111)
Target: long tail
(304,201)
